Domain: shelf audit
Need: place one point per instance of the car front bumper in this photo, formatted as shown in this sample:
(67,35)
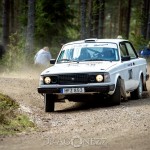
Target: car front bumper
(87,89)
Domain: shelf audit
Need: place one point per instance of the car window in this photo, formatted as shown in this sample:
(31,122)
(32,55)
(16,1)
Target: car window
(123,49)
(89,52)
(126,49)
(131,51)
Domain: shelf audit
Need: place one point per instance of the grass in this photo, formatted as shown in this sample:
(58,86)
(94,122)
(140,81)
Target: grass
(11,121)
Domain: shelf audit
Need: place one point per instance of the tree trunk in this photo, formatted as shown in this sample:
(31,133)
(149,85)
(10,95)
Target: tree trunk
(120,30)
(30,27)
(128,19)
(12,19)
(5,23)
(101,19)
(96,8)
(83,19)
(89,19)
(144,15)
(148,24)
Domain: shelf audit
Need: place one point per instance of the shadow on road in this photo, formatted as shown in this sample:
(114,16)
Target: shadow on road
(101,102)
(87,105)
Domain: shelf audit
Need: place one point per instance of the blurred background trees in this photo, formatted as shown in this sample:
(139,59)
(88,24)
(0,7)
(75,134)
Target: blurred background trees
(52,23)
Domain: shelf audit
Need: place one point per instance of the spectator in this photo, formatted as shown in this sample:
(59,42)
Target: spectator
(42,57)
(146,51)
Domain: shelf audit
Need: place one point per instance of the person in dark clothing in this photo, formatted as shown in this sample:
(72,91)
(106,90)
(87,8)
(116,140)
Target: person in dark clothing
(146,51)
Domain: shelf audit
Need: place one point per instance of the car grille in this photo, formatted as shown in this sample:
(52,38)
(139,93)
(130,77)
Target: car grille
(73,79)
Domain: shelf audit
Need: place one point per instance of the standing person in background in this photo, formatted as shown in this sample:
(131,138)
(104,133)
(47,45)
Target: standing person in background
(146,51)
(42,57)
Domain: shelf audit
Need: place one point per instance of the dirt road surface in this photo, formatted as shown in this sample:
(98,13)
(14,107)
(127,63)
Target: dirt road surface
(75,125)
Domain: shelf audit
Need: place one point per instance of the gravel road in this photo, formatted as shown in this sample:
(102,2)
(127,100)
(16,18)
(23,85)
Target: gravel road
(76,125)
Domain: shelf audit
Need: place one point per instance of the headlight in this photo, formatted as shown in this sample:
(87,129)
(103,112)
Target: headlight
(99,78)
(47,80)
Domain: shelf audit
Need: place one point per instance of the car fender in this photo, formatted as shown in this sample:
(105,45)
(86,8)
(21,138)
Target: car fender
(122,86)
(116,78)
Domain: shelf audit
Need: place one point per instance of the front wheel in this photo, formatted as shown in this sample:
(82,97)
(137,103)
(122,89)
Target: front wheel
(116,97)
(137,94)
(49,102)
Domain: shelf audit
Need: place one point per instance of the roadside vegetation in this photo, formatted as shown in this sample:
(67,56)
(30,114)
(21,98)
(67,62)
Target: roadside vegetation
(15,59)
(11,120)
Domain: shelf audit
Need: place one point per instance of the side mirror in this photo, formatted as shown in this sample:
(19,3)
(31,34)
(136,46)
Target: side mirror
(52,61)
(125,58)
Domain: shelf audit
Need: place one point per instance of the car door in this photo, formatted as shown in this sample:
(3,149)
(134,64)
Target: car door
(130,63)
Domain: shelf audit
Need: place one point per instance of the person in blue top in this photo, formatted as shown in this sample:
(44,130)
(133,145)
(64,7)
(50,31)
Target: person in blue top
(42,57)
(146,51)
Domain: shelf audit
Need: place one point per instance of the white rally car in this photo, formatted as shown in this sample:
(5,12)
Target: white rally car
(107,67)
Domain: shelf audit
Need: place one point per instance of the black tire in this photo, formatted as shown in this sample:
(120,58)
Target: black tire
(116,97)
(49,102)
(137,94)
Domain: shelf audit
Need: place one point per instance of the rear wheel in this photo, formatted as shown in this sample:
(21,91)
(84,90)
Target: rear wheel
(49,102)
(116,97)
(137,94)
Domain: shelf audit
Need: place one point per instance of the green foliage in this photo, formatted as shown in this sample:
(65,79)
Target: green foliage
(10,120)
(21,122)
(15,55)
(23,11)
(73,34)
(135,27)
(6,108)
(52,20)
(138,41)
(6,103)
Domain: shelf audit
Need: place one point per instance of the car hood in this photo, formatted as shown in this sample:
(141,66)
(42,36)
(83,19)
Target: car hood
(79,67)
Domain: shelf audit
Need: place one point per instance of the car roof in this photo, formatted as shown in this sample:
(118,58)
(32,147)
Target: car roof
(94,40)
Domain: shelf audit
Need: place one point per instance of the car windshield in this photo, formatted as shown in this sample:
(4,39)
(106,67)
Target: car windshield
(88,52)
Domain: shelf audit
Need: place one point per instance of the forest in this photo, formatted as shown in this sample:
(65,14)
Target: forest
(28,25)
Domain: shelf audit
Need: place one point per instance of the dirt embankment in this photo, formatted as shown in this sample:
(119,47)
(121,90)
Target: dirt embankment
(76,125)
